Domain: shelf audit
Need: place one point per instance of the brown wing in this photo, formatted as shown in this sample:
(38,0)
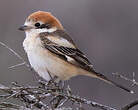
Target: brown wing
(72,55)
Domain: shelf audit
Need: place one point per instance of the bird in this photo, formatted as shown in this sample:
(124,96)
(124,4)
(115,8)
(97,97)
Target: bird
(52,52)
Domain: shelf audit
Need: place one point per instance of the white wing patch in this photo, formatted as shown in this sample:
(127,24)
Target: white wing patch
(61,41)
(69,59)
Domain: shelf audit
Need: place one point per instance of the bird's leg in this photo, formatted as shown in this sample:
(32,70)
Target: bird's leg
(62,84)
(44,82)
(52,79)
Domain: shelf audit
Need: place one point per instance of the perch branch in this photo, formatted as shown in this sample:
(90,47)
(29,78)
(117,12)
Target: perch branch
(131,105)
(34,96)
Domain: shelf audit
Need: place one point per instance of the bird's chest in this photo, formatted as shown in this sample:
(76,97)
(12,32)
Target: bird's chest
(35,51)
(31,44)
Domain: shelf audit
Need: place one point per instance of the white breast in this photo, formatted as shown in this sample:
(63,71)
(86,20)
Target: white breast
(43,61)
(33,47)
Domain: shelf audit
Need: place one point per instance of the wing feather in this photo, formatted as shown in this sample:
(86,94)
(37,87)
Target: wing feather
(66,52)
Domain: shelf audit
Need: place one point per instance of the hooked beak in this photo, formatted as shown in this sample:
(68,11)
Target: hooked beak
(24,28)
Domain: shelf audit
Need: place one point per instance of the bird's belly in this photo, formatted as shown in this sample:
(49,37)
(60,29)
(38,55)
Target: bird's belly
(43,62)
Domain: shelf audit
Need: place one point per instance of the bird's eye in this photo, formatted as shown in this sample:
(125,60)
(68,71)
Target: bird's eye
(37,24)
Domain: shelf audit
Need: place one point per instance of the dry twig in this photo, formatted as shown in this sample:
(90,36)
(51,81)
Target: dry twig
(133,80)
(17,55)
(34,96)
(129,106)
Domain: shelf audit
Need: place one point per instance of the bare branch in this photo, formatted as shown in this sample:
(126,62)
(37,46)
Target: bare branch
(129,106)
(17,65)
(33,96)
(23,95)
(17,55)
(12,106)
(133,81)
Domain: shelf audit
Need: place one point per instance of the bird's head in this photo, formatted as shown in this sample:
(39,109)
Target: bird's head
(41,21)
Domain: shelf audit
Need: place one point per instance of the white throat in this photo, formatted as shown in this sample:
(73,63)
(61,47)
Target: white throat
(35,32)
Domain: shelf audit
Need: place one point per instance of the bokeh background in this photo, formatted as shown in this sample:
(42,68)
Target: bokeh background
(106,30)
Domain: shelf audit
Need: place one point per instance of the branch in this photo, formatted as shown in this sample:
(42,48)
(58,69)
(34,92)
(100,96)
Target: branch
(23,96)
(33,96)
(17,55)
(133,81)
(129,106)
(12,106)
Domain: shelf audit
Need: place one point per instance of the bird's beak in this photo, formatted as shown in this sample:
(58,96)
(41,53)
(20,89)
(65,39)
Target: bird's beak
(24,28)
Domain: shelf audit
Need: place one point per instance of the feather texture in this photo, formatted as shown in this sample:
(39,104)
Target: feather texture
(69,52)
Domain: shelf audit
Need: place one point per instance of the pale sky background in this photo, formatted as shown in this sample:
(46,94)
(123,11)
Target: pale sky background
(106,30)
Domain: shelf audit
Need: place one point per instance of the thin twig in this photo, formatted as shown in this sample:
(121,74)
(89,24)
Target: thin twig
(78,100)
(9,105)
(17,55)
(133,81)
(14,94)
(17,65)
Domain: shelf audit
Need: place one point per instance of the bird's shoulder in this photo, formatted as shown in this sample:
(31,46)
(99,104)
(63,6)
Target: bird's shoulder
(59,37)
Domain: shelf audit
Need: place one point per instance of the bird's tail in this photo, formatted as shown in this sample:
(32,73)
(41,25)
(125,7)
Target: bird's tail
(104,78)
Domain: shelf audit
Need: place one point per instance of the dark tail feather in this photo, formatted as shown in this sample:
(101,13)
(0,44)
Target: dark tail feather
(104,78)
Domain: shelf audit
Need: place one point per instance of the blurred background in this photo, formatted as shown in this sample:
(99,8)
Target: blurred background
(106,30)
